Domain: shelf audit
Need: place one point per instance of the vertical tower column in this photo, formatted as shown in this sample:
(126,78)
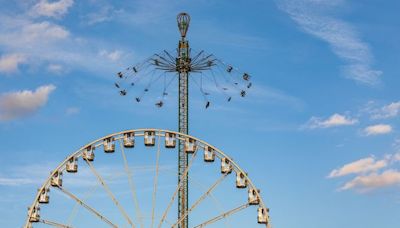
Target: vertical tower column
(183,69)
(183,64)
(183,157)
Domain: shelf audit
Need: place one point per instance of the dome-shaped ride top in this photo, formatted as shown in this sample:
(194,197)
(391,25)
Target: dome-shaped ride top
(183,20)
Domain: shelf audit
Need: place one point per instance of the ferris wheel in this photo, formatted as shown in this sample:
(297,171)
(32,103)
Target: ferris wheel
(125,180)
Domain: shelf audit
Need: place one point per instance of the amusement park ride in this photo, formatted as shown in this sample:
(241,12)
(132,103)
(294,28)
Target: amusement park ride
(201,68)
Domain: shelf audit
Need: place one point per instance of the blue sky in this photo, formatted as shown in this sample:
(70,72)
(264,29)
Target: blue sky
(318,131)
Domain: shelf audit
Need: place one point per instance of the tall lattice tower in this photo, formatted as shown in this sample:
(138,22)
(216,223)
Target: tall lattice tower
(183,64)
(204,69)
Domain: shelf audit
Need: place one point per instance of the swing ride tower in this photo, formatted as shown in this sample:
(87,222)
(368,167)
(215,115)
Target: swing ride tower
(184,65)
(183,69)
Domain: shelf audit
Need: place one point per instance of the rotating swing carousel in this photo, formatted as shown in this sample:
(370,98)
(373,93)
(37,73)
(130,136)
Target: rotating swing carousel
(128,198)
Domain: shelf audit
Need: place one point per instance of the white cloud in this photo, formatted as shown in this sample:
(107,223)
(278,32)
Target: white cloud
(55,68)
(25,35)
(16,181)
(333,121)
(44,30)
(144,13)
(396,157)
(111,55)
(374,181)
(19,104)
(36,174)
(396,144)
(313,17)
(360,166)
(370,173)
(105,13)
(387,111)
(10,63)
(45,43)
(378,129)
(51,9)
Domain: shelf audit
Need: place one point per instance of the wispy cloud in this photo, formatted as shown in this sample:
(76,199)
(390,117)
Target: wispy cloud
(396,145)
(56,9)
(387,111)
(33,174)
(24,35)
(333,121)
(19,104)
(360,166)
(370,173)
(224,37)
(45,42)
(10,63)
(268,95)
(146,12)
(313,16)
(111,55)
(378,129)
(16,181)
(36,174)
(55,68)
(103,14)
(374,181)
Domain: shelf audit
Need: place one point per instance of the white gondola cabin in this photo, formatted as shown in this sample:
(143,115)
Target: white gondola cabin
(88,153)
(149,138)
(44,195)
(226,166)
(262,215)
(35,215)
(241,180)
(109,145)
(72,165)
(190,145)
(209,154)
(253,198)
(170,140)
(129,139)
(56,179)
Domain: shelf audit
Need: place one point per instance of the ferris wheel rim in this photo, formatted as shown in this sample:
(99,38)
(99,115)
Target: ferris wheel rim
(158,132)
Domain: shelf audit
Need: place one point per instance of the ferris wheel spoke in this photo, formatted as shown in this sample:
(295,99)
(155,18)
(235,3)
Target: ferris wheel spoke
(74,211)
(155,181)
(183,178)
(55,224)
(207,193)
(89,208)
(105,186)
(132,185)
(220,208)
(217,202)
(223,215)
